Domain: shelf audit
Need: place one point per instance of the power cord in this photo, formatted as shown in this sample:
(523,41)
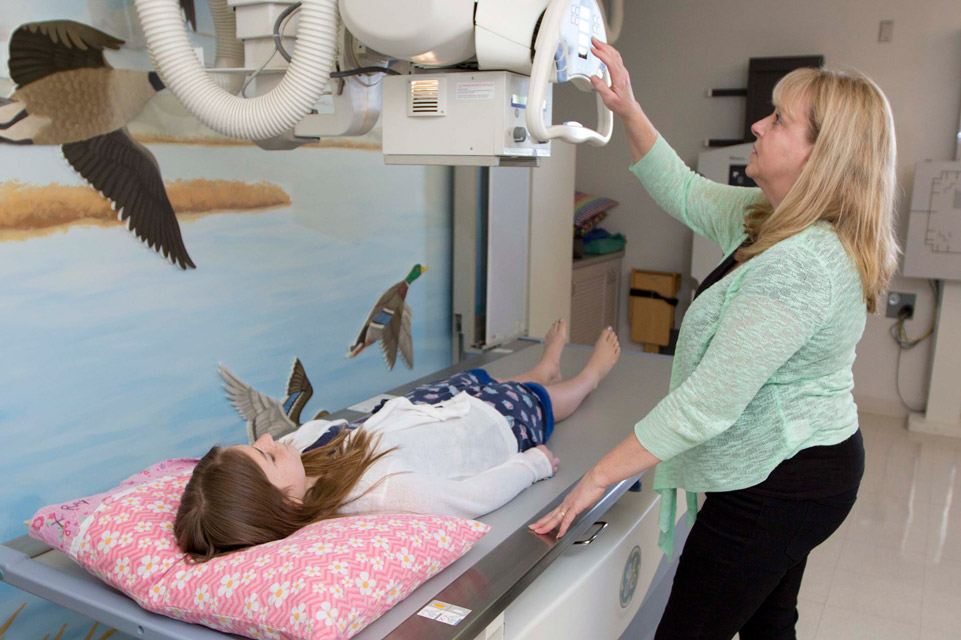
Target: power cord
(243,90)
(280,25)
(905,342)
(364,71)
(898,385)
(279,30)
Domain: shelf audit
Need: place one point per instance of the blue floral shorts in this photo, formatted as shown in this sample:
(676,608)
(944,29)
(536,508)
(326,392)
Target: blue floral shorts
(526,405)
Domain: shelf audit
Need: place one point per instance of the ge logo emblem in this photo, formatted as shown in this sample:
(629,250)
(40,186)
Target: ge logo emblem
(629,578)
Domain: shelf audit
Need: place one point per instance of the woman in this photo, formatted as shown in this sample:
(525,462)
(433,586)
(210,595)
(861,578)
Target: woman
(461,446)
(760,415)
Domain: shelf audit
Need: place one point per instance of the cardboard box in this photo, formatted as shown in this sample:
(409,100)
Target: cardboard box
(651,312)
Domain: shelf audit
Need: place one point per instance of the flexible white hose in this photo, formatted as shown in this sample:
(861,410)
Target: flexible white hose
(251,119)
(230,50)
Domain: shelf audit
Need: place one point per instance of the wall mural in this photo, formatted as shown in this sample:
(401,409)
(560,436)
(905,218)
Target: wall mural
(264,414)
(389,322)
(68,95)
(110,356)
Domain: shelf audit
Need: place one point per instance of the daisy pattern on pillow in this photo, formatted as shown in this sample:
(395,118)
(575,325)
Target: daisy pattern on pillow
(327,614)
(108,540)
(278,593)
(393,592)
(202,597)
(365,583)
(324,582)
(443,539)
(298,615)
(251,605)
(157,592)
(227,585)
(122,568)
(159,506)
(405,557)
(148,566)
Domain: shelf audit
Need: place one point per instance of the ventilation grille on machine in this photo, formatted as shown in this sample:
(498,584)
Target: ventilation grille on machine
(426,98)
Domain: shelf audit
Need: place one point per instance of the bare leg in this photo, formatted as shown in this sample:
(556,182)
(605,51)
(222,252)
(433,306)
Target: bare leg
(548,370)
(567,396)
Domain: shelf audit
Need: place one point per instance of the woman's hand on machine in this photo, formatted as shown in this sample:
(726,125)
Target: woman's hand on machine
(584,496)
(550,456)
(619,97)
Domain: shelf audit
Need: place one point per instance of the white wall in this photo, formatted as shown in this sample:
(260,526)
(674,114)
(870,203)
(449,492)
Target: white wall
(551,242)
(677,49)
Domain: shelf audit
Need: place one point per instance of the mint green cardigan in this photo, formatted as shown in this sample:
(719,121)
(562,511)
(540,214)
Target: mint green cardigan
(763,362)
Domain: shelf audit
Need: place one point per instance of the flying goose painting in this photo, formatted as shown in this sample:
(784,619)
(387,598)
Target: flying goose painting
(68,95)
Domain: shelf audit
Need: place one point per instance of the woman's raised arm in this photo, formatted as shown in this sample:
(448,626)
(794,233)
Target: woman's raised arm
(715,211)
(619,98)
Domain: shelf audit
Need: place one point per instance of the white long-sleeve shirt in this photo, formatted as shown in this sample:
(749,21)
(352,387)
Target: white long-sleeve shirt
(457,458)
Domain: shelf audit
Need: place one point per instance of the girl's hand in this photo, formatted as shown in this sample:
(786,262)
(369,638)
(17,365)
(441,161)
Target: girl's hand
(550,456)
(585,495)
(619,97)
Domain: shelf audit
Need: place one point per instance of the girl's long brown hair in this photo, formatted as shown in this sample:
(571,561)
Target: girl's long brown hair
(229,504)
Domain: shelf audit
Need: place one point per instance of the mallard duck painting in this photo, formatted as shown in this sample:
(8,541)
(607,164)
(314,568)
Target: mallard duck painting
(265,414)
(68,95)
(389,322)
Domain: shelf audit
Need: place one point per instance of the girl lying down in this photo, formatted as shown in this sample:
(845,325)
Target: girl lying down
(461,446)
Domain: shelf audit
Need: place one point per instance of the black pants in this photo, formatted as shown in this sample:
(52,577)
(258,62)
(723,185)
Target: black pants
(742,564)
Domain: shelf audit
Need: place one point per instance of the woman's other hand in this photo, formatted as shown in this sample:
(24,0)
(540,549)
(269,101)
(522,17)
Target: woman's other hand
(550,456)
(619,97)
(584,496)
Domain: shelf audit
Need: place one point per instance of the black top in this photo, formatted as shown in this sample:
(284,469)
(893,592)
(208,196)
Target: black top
(815,472)
(720,270)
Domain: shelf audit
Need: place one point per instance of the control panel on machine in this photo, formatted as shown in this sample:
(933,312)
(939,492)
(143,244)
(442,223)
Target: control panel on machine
(573,58)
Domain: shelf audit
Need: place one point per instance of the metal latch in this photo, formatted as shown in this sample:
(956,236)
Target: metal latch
(595,534)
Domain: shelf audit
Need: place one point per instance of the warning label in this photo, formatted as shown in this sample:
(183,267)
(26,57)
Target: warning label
(443,612)
(475,90)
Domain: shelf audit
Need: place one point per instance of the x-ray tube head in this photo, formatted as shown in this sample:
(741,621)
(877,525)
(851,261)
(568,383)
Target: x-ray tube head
(427,32)
(491,61)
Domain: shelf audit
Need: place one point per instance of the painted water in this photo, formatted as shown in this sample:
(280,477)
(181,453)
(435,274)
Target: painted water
(108,354)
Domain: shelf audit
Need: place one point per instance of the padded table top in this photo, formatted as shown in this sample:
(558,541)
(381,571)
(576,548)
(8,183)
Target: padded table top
(506,560)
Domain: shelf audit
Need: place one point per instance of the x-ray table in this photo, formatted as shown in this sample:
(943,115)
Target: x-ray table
(485,580)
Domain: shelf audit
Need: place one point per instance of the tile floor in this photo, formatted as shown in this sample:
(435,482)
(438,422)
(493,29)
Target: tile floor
(893,569)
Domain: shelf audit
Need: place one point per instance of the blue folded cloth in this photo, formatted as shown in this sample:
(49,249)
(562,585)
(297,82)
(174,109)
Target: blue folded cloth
(595,234)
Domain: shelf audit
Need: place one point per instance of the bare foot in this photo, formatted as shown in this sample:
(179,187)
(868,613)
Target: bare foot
(607,349)
(549,368)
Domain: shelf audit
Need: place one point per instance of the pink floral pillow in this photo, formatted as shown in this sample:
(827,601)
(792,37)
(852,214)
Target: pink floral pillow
(57,524)
(328,580)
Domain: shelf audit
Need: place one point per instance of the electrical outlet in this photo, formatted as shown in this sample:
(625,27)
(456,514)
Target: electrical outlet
(886,31)
(900,303)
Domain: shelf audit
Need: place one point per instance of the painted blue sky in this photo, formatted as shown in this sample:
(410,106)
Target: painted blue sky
(110,354)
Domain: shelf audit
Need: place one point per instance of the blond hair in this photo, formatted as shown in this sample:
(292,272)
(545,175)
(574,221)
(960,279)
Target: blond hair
(849,179)
(229,504)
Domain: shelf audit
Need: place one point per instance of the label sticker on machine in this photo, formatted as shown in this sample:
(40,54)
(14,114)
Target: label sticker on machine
(475,90)
(443,612)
